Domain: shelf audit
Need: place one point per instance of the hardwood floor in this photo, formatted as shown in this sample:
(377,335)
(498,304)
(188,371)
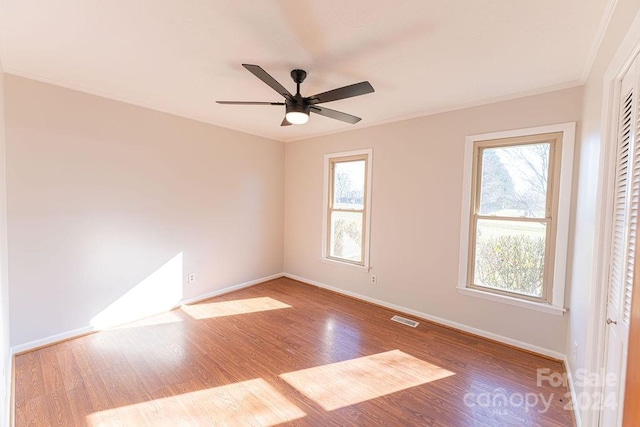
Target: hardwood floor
(285,352)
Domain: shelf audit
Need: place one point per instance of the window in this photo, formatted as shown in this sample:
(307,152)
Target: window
(347,207)
(516,212)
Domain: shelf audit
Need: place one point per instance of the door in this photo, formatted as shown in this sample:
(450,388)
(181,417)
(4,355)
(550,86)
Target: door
(623,251)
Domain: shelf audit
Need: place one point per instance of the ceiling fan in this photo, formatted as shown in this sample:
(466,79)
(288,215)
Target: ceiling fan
(298,107)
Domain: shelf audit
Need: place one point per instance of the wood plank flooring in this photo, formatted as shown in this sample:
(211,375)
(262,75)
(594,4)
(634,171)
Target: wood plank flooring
(283,352)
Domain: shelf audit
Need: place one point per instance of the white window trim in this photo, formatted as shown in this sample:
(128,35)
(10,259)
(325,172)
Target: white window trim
(325,203)
(344,264)
(518,302)
(564,206)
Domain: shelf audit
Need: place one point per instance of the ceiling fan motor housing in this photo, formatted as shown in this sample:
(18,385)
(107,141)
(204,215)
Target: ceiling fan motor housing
(297,106)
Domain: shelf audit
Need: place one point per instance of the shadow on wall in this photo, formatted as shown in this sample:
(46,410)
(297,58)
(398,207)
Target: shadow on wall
(159,292)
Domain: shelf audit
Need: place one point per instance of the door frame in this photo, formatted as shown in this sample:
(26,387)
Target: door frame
(598,293)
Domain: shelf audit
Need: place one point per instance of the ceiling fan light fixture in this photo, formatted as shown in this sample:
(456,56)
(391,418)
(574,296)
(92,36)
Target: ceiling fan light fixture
(297,118)
(297,114)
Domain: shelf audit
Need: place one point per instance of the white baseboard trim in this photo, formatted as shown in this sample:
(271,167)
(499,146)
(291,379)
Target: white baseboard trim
(520,344)
(462,327)
(572,389)
(21,348)
(229,289)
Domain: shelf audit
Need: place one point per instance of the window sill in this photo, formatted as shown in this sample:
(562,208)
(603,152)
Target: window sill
(344,264)
(537,306)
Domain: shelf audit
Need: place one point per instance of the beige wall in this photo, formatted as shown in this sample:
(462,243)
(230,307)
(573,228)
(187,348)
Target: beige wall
(102,194)
(415,223)
(5,357)
(590,149)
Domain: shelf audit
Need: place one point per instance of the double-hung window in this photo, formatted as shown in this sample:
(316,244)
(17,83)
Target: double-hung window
(517,207)
(347,207)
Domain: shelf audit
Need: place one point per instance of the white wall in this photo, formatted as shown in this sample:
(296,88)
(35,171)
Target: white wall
(102,194)
(415,223)
(5,356)
(590,148)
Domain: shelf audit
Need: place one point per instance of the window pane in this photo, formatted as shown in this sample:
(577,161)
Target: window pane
(346,236)
(348,185)
(510,256)
(514,180)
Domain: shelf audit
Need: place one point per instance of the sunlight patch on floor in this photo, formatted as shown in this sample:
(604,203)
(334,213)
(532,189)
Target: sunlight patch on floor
(158,319)
(160,291)
(353,381)
(232,308)
(253,402)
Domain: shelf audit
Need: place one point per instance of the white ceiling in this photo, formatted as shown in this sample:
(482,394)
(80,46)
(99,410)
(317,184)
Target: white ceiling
(421,56)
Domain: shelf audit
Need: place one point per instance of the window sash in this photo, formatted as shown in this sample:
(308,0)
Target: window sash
(332,241)
(331,209)
(552,193)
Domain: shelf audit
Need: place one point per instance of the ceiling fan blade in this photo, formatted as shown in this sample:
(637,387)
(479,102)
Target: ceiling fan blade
(257,71)
(338,115)
(285,122)
(249,103)
(342,93)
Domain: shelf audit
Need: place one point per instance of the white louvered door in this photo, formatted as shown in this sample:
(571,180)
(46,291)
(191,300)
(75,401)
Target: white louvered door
(623,250)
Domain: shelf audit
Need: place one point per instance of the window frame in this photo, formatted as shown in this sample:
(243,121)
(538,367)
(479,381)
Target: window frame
(329,161)
(549,219)
(557,215)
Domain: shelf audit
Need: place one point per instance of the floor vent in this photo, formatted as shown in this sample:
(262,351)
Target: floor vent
(405,321)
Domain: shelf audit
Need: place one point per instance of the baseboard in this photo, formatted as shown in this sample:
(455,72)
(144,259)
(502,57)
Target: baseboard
(451,324)
(21,348)
(75,333)
(229,289)
(42,342)
(572,389)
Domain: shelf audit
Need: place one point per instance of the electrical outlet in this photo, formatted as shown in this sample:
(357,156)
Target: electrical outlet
(373,279)
(191,278)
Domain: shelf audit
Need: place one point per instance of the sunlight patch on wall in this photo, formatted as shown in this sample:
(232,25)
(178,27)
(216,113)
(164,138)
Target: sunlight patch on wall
(252,402)
(232,308)
(353,381)
(159,292)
